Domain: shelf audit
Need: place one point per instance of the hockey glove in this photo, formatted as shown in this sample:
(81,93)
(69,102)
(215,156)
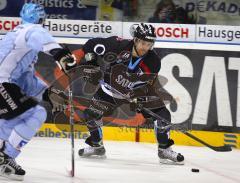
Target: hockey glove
(138,92)
(64,58)
(136,105)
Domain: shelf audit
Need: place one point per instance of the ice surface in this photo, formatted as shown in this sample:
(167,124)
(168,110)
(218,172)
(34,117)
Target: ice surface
(46,160)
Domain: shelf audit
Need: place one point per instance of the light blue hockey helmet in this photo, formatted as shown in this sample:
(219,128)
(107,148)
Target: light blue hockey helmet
(32,13)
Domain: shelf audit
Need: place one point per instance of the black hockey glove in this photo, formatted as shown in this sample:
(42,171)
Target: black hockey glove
(64,59)
(135,105)
(138,92)
(137,96)
(56,98)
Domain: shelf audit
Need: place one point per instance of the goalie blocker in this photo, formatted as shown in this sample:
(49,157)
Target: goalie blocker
(13,101)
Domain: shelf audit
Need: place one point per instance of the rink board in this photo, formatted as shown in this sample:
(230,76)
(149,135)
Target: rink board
(143,134)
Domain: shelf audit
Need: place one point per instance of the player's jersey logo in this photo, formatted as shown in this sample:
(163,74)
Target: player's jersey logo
(124,82)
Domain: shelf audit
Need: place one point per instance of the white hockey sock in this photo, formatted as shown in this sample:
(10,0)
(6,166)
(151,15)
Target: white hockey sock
(14,144)
(16,140)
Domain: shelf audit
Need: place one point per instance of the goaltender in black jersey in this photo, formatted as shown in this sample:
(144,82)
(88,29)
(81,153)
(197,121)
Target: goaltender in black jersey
(130,73)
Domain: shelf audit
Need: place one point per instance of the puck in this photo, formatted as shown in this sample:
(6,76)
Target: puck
(195,170)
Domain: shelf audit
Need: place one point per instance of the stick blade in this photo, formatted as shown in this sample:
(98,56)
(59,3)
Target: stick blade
(225,148)
(70,173)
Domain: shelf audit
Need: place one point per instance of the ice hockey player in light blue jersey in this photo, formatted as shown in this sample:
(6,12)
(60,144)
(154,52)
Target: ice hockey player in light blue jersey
(20,90)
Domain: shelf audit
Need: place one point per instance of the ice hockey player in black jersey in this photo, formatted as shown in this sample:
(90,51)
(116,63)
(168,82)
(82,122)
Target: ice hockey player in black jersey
(131,67)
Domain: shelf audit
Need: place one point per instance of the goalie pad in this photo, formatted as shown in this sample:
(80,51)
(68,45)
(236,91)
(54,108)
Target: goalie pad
(13,102)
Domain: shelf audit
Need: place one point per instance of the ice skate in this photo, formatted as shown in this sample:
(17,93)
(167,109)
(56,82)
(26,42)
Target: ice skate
(93,150)
(9,168)
(90,151)
(168,156)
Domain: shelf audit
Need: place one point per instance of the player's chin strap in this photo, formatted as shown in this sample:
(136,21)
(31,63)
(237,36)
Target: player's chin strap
(224,148)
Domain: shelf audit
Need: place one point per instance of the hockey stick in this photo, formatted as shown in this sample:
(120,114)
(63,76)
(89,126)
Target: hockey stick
(224,148)
(71,122)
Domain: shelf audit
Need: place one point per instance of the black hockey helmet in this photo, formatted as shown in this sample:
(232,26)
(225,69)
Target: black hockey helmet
(145,32)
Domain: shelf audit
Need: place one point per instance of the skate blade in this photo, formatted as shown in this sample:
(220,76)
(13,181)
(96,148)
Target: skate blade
(12,176)
(170,162)
(94,157)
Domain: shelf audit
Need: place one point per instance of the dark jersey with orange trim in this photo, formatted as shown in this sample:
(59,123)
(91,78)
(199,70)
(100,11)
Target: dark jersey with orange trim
(121,70)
